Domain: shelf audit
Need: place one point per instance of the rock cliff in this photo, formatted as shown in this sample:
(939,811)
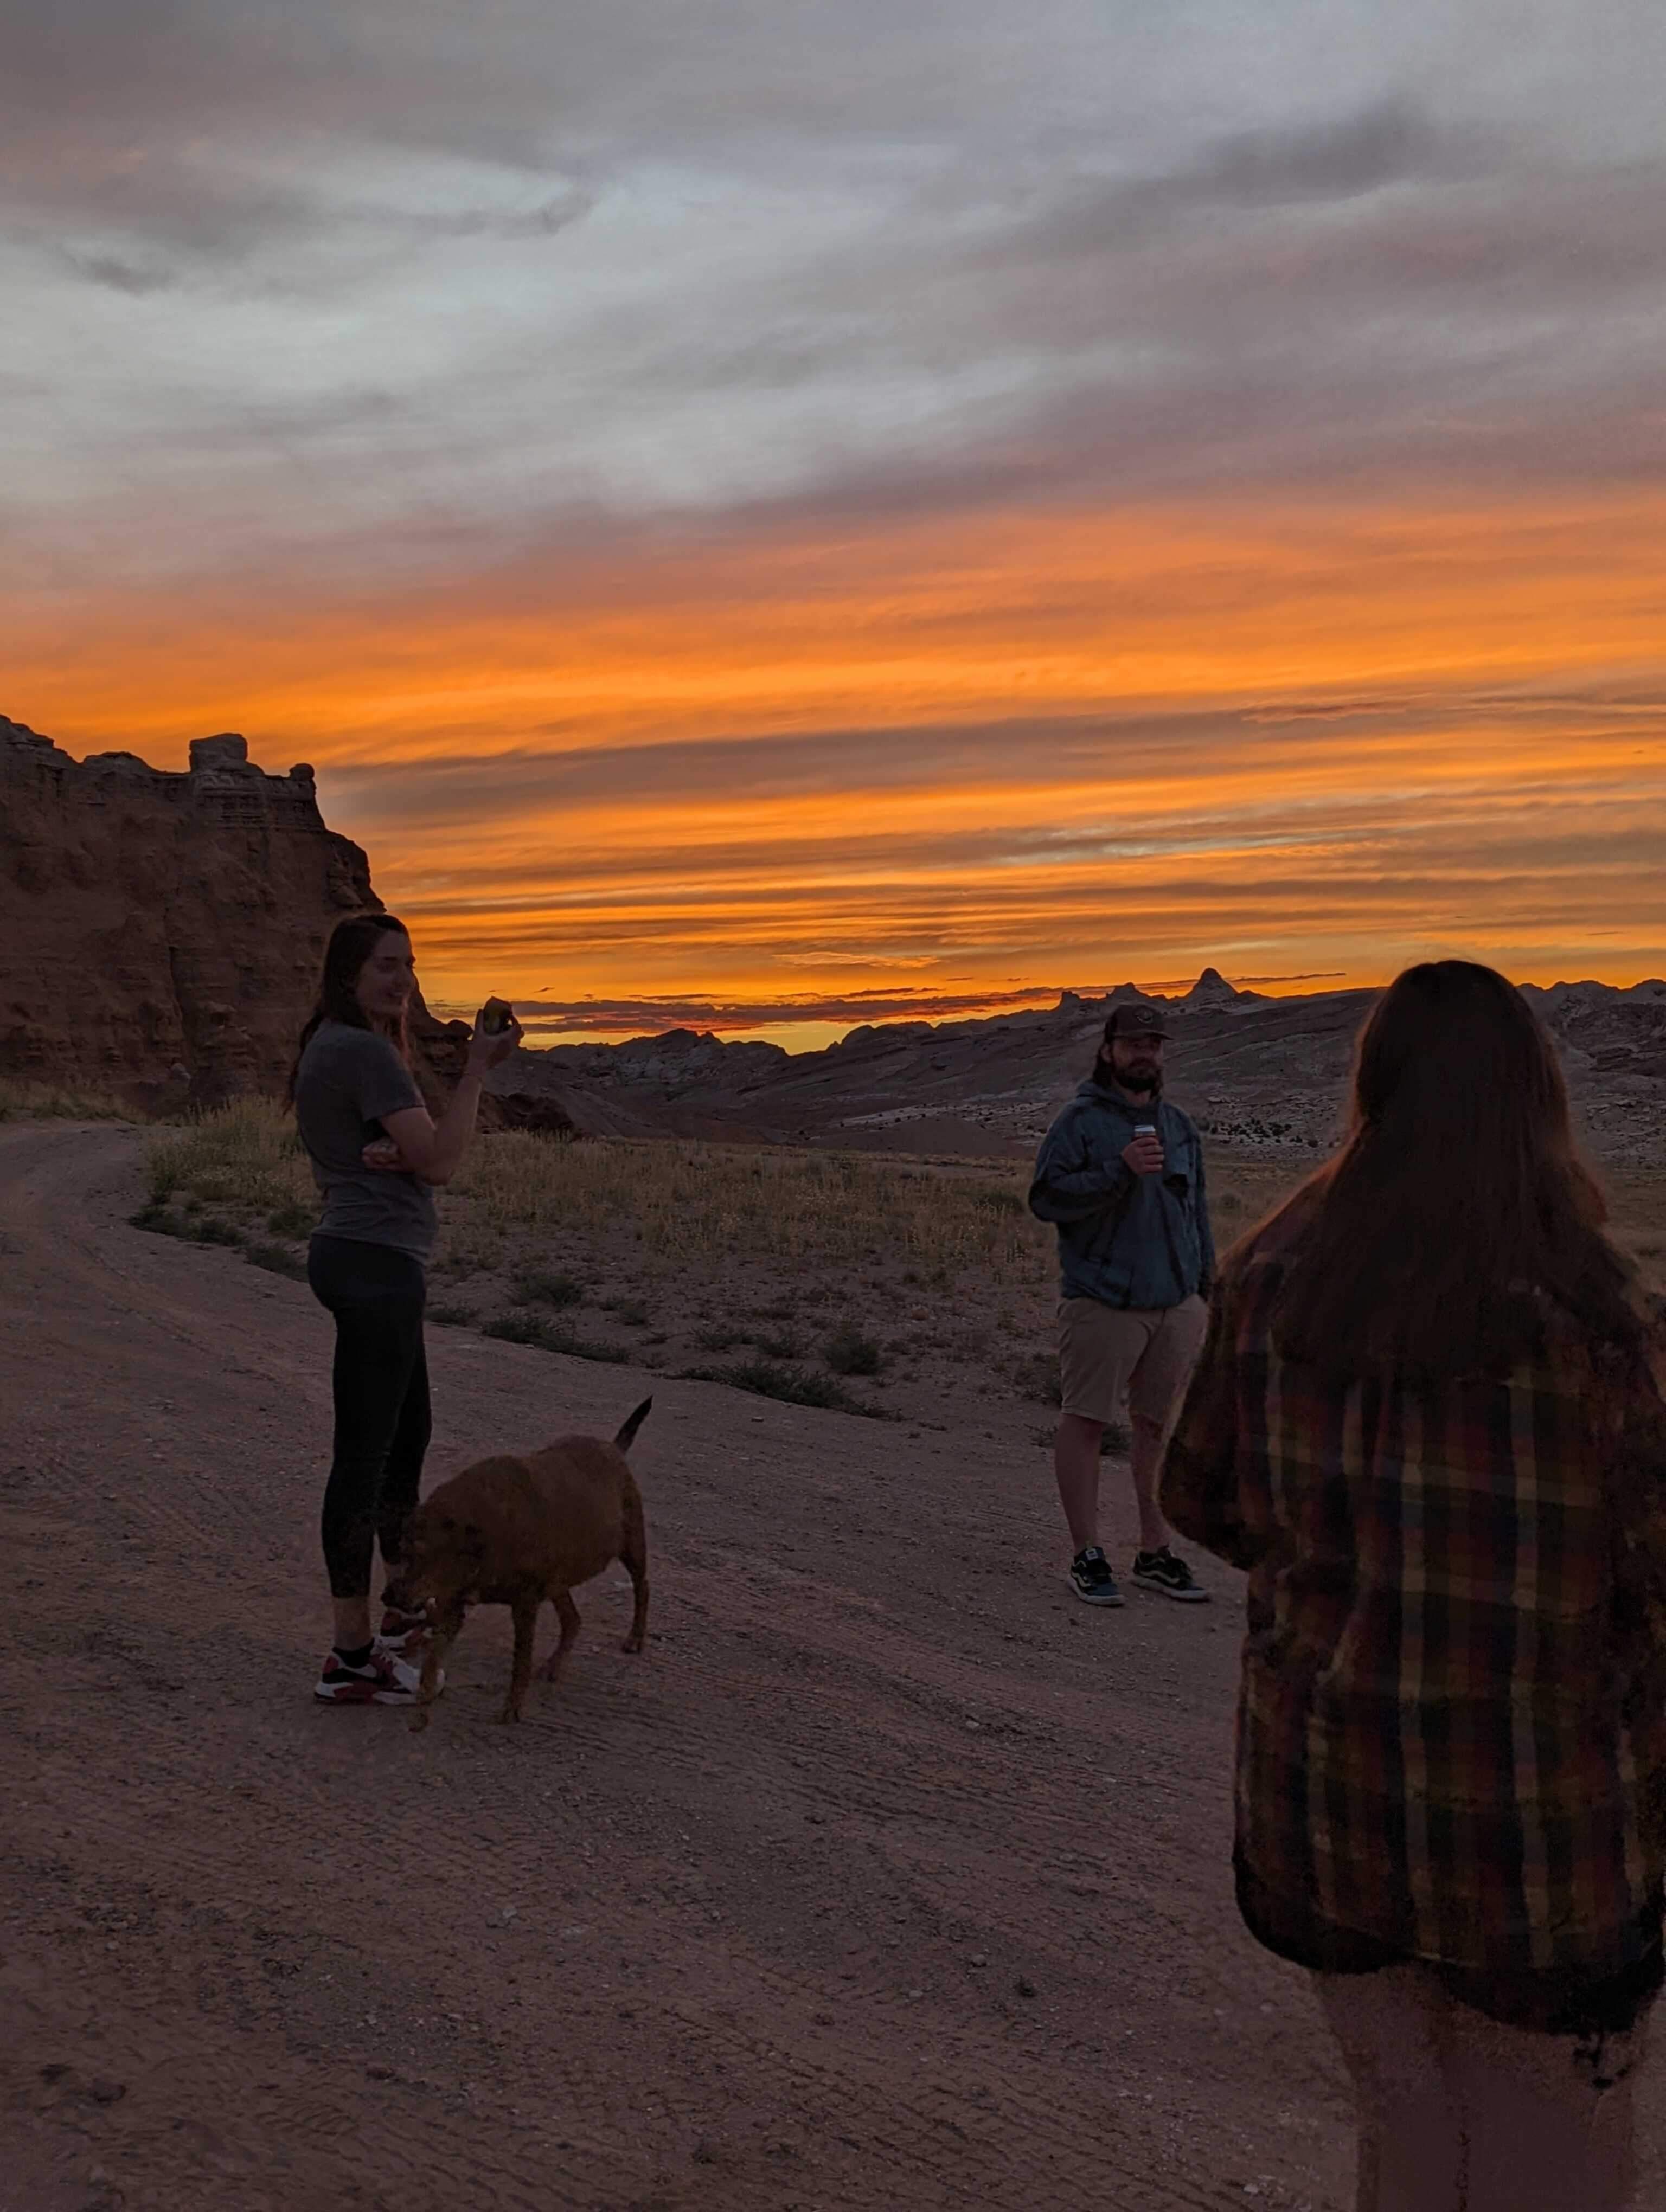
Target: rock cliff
(160,933)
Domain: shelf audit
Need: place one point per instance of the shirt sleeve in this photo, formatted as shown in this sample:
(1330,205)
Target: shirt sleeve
(378,1080)
(1068,1185)
(1199,1484)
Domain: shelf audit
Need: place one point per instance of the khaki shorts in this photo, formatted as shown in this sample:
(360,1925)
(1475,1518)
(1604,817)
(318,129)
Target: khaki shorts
(1110,1353)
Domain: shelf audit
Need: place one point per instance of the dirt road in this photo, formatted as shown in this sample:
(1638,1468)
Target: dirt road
(889,1877)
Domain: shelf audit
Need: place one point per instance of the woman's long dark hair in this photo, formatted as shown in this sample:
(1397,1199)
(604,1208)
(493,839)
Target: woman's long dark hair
(352,941)
(1458,1204)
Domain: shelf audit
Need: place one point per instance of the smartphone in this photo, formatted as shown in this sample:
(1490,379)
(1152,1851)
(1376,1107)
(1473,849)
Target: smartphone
(496,1017)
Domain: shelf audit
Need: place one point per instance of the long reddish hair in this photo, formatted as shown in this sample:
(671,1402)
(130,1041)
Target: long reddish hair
(352,941)
(1458,1204)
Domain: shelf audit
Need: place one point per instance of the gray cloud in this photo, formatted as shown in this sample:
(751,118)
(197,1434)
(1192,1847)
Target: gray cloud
(813,260)
(119,275)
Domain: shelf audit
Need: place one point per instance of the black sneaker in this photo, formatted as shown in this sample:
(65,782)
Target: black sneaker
(1161,1570)
(1091,1579)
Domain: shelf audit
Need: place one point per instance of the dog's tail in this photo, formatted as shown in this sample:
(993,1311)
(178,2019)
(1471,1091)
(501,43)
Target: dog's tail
(627,1435)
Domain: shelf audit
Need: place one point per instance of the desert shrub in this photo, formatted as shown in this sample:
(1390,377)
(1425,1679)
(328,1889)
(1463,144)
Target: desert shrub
(21,1101)
(848,1352)
(451,1316)
(292,1220)
(721,1340)
(1037,1377)
(770,1378)
(209,1229)
(780,1343)
(277,1260)
(537,1286)
(516,1328)
(632,1312)
(244,1154)
(521,1328)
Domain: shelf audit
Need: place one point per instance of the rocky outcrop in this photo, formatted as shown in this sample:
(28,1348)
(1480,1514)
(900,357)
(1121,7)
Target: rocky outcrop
(160,933)
(1212,989)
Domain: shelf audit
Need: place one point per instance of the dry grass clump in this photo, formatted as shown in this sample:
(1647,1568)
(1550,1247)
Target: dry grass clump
(682,1201)
(702,1201)
(21,1101)
(244,1155)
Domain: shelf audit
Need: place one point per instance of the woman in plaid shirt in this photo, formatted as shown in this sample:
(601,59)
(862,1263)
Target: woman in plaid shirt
(1424,1421)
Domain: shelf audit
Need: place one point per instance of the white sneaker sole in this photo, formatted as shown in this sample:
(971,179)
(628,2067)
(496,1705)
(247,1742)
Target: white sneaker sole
(1180,1596)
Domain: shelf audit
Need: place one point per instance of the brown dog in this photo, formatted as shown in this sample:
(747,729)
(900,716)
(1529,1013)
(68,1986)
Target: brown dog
(513,1532)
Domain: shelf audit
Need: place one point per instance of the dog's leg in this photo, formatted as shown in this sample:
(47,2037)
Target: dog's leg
(567,1613)
(445,1635)
(525,1609)
(634,1553)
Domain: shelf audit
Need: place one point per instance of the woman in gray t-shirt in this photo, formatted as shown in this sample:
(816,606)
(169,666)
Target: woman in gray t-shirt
(376,1157)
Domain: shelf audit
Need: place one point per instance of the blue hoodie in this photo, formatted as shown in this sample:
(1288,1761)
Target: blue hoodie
(1127,1240)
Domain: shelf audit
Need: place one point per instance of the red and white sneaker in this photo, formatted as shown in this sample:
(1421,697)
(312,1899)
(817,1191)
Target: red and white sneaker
(405,1634)
(384,1680)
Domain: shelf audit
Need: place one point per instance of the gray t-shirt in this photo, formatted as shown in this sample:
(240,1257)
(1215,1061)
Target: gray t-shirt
(348,1080)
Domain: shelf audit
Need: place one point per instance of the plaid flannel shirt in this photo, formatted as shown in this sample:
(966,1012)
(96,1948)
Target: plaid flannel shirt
(1451,1726)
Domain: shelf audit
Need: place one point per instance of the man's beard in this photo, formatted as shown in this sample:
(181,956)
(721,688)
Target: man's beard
(1146,1082)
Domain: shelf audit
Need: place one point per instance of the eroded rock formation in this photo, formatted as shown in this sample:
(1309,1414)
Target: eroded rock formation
(160,933)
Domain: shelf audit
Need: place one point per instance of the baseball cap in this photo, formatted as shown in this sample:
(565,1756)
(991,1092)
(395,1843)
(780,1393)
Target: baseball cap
(1135,1019)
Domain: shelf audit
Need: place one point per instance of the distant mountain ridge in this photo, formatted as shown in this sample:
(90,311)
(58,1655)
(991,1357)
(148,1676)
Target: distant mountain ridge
(1261,1075)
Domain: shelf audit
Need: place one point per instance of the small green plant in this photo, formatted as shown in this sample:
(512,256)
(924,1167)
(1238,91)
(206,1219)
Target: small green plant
(291,1220)
(632,1313)
(210,1229)
(539,1287)
(848,1352)
(452,1317)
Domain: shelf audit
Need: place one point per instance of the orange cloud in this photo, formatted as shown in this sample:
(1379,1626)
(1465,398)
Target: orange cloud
(1066,747)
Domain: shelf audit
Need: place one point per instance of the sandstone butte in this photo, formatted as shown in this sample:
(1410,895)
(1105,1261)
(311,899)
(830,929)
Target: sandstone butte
(160,933)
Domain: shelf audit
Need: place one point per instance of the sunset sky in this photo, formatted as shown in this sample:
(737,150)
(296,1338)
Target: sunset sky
(778,512)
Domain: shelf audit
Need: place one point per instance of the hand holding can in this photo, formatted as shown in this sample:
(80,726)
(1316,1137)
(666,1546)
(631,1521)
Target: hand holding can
(1144,1154)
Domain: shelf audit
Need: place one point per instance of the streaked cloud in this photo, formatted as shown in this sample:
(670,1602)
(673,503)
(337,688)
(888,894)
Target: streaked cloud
(738,497)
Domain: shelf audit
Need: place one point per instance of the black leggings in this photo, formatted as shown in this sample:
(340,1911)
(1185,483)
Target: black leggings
(382,1421)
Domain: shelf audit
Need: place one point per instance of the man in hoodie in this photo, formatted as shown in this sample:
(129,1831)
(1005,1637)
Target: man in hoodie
(1120,1173)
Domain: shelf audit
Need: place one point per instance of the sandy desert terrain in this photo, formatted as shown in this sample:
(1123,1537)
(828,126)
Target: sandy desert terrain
(888,1877)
